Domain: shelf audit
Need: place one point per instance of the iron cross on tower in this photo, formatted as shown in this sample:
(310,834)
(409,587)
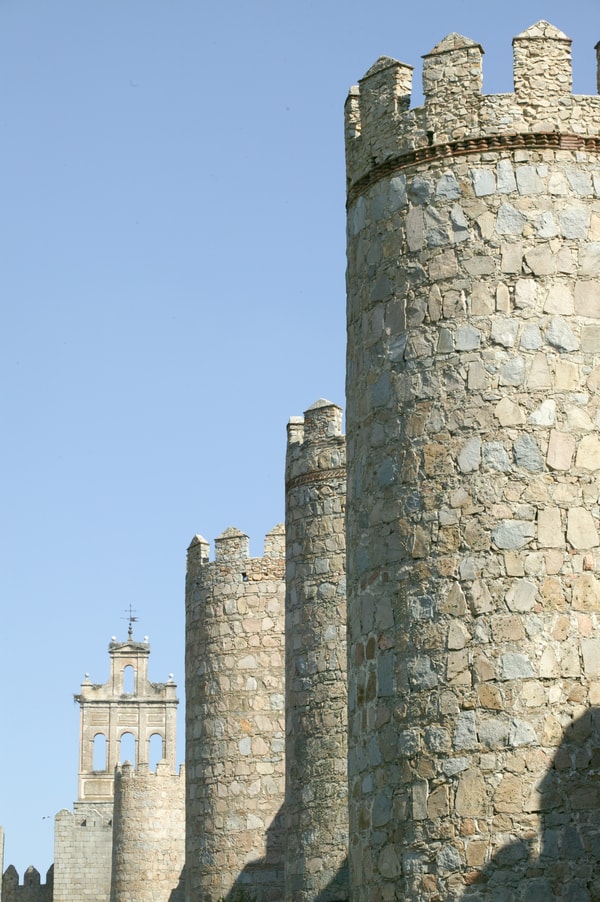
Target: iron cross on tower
(132,620)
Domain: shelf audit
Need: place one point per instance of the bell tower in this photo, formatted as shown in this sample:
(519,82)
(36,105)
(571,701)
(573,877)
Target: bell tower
(127,706)
(119,720)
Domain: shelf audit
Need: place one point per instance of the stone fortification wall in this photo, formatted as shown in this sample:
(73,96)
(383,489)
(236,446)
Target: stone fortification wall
(31,890)
(316,809)
(148,835)
(235,717)
(82,853)
(473,428)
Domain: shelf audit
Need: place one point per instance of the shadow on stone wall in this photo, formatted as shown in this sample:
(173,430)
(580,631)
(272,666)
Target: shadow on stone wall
(178,894)
(568,864)
(338,889)
(263,880)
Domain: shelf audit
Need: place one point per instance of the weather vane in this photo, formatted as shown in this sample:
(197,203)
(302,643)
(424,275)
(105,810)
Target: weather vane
(132,620)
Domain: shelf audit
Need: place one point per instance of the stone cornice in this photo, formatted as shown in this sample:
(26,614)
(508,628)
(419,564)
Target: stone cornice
(482,144)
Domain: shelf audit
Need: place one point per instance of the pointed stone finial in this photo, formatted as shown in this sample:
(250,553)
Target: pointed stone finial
(544,30)
(452,41)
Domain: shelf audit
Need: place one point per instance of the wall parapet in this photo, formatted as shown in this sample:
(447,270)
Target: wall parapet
(31,889)
(232,552)
(382,130)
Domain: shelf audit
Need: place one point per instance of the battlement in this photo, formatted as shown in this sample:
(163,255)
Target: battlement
(233,546)
(127,771)
(31,890)
(316,443)
(384,134)
(321,421)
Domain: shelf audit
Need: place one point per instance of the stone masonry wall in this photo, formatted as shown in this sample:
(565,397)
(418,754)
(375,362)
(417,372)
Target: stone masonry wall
(148,835)
(235,717)
(316,810)
(473,427)
(82,853)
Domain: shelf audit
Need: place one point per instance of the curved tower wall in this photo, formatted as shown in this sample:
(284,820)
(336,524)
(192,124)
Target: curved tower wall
(473,425)
(148,851)
(316,811)
(235,717)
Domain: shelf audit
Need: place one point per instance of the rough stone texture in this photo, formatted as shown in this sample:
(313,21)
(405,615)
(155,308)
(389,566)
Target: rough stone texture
(235,733)
(316,806)
(148,852)
(473,501)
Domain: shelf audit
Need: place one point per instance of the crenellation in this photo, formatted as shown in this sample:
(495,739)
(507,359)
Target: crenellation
(385,89)
(452,82)
(542,65)
(457,117)
(31,890)
(275,542)
(232,545)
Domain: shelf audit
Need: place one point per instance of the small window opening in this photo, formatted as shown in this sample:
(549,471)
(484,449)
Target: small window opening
(129,680)
(99,756)
(127,749)
(244,577)
(156,751)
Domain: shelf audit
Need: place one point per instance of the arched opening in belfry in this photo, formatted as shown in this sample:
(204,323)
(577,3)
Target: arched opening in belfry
(156,751)
(127,749)
(99,753)
(129,680)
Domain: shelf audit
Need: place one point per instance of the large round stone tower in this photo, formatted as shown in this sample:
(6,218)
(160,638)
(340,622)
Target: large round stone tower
(148,851)
(235,719)
(473,427)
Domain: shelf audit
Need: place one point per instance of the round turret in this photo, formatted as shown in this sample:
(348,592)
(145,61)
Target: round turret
(316,809)
(235,718)
(473,426)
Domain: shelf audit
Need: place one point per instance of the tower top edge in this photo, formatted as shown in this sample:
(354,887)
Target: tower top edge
(383,63)
(542,30)
(381,125)
(453,41)
(234,545)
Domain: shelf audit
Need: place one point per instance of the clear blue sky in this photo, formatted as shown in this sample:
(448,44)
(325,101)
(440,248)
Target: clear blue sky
(172,285)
